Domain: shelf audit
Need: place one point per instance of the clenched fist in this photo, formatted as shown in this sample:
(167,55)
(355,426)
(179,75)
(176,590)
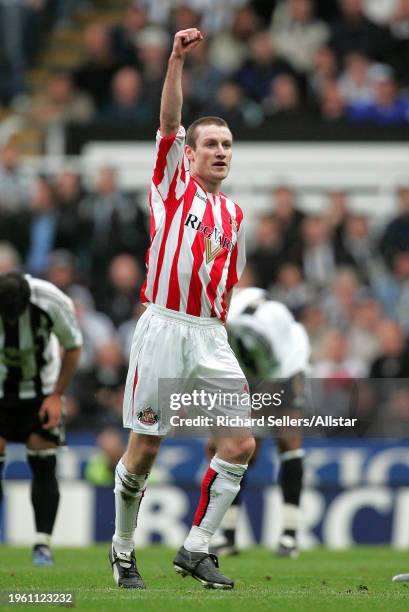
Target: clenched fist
(185,41)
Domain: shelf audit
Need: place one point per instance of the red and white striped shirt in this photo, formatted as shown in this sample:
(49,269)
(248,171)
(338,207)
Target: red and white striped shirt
(197,250)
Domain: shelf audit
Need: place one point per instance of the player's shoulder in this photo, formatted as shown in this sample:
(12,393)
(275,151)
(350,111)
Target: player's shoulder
(179,135)
(47,295)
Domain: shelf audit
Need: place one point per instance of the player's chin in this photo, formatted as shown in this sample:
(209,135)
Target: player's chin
(220,171)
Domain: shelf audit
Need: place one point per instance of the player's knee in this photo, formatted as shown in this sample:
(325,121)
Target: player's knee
(237,450)
(43,463)
(127,483)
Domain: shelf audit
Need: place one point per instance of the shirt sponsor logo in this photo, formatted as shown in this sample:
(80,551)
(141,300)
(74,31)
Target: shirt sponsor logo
(212,235)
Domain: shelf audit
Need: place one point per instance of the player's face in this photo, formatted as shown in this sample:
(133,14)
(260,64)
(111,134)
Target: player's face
(210,160)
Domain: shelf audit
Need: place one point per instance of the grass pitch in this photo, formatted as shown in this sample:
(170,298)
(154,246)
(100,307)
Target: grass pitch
(359,579)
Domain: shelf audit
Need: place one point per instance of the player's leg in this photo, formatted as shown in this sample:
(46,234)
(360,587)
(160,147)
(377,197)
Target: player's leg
(290,481)
(131,474)
(228,527)
(45,495)
(220,485)
(213,359)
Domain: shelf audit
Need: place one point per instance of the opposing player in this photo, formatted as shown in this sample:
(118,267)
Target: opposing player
(36,321)
(271,345)
(195,258)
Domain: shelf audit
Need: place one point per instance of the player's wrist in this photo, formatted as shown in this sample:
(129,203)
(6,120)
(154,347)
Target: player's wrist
(58,394)
(177,56)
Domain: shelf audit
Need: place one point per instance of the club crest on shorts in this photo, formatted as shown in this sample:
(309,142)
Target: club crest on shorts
(147,417)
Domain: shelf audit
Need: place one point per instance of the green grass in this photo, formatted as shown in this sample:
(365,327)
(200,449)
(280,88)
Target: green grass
(359,579)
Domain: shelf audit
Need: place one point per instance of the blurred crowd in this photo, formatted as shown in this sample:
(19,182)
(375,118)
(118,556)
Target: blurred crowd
(345,279)
(295,60)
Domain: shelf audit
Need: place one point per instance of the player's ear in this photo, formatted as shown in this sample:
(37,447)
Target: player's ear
(189,152)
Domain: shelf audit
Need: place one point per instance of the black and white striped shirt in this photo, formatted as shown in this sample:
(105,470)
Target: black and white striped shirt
(30,350)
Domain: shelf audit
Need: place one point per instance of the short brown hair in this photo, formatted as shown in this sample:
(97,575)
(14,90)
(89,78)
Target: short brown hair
(191,133)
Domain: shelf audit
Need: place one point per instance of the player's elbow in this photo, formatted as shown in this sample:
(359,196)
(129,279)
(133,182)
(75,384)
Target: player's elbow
(167,128)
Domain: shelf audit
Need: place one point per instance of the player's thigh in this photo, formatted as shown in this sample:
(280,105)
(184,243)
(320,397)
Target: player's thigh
(3,444)
(36,442)
(214,357)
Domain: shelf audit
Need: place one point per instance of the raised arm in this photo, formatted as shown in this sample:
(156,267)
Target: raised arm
(171,102)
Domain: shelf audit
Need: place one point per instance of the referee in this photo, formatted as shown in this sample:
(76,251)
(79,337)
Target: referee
(36,321)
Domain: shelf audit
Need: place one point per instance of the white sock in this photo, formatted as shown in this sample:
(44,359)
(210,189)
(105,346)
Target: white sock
(220,486)
(291,517)
(129,490)
(42,538)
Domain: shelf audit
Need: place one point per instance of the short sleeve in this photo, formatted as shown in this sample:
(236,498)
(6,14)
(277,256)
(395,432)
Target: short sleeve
(170,160)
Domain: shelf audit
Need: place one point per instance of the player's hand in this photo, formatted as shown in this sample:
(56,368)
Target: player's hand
(50,411)
(185,41)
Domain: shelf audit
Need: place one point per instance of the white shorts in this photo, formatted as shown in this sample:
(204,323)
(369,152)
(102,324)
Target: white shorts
(173,346)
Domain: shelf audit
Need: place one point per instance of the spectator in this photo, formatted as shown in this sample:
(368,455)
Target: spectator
(316,325)
(60,103)
(336,211)
(231,104)
(110,223)
(324,68)
(127,103)
(16,180)
(9,258)
(319,257)
(61,269)
(355,82)
(290,219)
(336,362)
(297,33)
(229,49)
(100,469)
(267,255)
(338,302)
(393,360)
(389,105)
(153,46)
(126,330)
(125,35)
(393,289)
(204,77)
(217,15)
(97,328)
(184,15)
(291,289)
(396,235)
(42,227)
(263,66)
(284,101)
(332,105)
(117,298)
(99,391)
(69,192)
(365,318)
(352,31)
(356,246)
(99,65)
